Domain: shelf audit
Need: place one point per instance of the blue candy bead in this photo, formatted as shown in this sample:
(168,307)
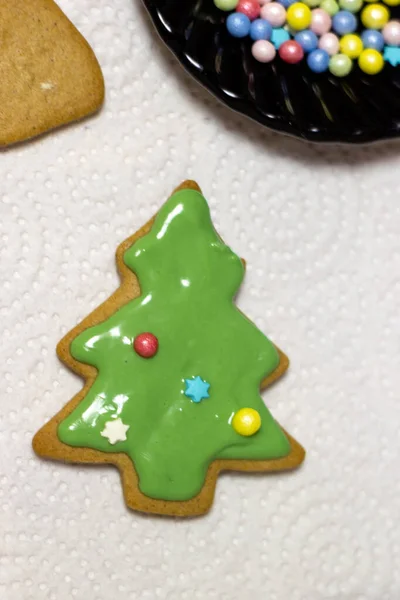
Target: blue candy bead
(344,22)
(371,38)
(318,61)
(286,3)
(278,36)
(260,29)
(238,25)
(307,40)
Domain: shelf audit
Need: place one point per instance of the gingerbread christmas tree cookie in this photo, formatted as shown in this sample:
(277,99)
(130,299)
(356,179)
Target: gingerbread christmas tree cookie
(173,371)
(49,74)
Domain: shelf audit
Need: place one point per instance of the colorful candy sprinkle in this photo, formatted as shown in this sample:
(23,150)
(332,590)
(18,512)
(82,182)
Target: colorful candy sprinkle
(238,25)
(371,61)
(279,36)
(351,45)
(340,65)
(246,421)
(330,6)
(196,389)
(321,22)
(392,55)
(226,5)
(307,40)
(145,345)
(375,16)
(391,33)
(260,29)
(275,13)
(291,52)
(344,22)
(330,43)
(318,61)
(312,3)
(250,8)
(263,51)
(286,3)
(353,6)
(298,16)
(373,39)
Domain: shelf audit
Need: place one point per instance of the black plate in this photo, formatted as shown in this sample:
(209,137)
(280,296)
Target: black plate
(288,98)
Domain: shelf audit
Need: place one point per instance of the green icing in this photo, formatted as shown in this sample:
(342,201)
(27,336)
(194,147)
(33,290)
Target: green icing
(188,279)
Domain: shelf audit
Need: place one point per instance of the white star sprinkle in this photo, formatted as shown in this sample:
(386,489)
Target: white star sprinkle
(115,431)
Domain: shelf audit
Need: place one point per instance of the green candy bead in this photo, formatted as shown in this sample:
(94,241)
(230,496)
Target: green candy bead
(312,3)
(352,6)
(340,65)
(226,4)
(330,6)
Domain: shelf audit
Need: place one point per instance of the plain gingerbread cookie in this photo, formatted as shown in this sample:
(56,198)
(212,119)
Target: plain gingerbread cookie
(49,74)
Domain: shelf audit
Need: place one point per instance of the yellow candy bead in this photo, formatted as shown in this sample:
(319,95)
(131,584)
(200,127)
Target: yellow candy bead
(351,45)
(375,16)
(298,16)
(392,2)
(246,421)
(371,61)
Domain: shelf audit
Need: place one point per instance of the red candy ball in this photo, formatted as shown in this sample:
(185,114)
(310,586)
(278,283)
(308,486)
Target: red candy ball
(291,52)
(145,344)
(250,8)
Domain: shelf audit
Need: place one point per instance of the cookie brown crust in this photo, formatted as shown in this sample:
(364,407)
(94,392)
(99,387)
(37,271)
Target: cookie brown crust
(49,74)
(47,444)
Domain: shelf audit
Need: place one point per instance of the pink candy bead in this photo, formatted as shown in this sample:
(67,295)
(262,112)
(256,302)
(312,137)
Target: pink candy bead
(262,2)
(250,8)
(391,33)
(274,13)
(330,43)
(320,21)
(291,52)
(263,51)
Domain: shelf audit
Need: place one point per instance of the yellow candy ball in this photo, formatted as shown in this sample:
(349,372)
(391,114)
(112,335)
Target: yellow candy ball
(371,61)
(351,45)
(246,421)
(298,16)
(392,2)
(375,16)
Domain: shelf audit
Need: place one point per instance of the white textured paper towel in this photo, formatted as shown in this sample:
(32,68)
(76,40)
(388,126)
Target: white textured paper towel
(319,227)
